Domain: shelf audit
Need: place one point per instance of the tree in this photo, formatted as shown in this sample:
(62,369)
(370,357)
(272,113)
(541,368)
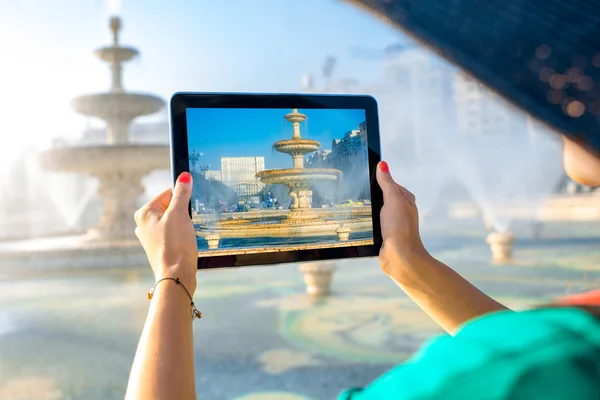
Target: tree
(211,192)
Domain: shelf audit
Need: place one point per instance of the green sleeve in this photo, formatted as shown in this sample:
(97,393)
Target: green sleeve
(407,381)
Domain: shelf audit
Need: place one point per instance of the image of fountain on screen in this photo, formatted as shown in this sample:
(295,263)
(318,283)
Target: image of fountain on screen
(269,180)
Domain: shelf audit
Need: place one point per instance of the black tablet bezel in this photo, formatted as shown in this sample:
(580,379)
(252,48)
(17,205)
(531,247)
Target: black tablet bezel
(180,163)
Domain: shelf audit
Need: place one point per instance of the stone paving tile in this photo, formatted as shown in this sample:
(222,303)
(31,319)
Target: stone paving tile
(74,337)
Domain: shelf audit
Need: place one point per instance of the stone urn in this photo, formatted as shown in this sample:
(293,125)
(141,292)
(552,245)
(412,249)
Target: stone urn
(501,244)
(536,228)
(318,277)
(213,240)
(343,233)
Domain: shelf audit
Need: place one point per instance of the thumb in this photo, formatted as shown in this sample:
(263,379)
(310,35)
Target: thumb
(182,193)
(386,183)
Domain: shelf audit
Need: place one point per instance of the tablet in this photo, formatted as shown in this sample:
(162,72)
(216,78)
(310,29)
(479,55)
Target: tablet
(279,177)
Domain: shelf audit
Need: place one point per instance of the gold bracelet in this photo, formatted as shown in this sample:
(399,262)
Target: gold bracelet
(195,312)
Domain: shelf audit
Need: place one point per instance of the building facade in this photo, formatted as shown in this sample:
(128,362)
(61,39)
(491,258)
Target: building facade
(415,102)
(239,173)
(482,113)
(350,151)
(350,155)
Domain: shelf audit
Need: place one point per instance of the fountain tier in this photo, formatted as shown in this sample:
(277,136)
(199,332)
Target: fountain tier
(297,148)
(299,181)
(113,105)
(118,109)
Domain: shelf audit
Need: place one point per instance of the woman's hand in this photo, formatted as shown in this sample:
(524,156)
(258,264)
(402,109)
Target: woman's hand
(443,294)
(167,233)
(399,225)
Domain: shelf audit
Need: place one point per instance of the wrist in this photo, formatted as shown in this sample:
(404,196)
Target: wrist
(405,263)
(172,295)
(185,273)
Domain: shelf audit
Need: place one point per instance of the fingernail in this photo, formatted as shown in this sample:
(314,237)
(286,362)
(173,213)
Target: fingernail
(185,178)
(383,166)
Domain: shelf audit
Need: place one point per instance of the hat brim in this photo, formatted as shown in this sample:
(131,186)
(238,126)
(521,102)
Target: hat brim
(515,47)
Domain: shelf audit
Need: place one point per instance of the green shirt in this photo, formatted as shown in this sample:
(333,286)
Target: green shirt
(547,354)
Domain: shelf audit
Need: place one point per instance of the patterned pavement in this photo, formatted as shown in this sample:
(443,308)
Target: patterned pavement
(74,337)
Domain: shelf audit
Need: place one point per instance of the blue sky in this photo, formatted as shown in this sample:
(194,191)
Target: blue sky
(186,45)
(220,132)
(259,45)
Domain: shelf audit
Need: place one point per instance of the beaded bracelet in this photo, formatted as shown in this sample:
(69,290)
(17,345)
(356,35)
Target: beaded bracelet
(195,312)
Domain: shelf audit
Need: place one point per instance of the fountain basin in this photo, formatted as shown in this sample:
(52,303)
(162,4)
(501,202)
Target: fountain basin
(70,254)
(296,146)
(343,233)
(118,54)
(120,170)
(314,227)
(300,177)
(100,159)
(117,105)
(264,216)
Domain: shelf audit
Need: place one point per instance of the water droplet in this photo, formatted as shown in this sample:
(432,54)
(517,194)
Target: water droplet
(575,109)
(543,52)
(573,74)
(546,73)
(585,83)
(558,81)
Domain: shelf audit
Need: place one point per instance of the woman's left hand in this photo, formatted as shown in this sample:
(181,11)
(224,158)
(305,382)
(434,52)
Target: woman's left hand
(167,234)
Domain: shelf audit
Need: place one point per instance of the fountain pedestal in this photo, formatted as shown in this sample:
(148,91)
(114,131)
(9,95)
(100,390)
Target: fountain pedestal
(300,195)
(120,192)
(318,278)
(501,244)
(343,233)
(212,240)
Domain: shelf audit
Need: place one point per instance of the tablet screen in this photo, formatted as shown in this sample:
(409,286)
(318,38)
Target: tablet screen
(272,179)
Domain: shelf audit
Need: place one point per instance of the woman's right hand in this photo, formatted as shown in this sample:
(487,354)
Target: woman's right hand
(399,226)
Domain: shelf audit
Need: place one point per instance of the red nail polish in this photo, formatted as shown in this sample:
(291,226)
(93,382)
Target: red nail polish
(185,177)
(383,166)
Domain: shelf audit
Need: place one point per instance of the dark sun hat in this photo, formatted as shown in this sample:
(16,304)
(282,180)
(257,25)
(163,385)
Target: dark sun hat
(541,55)
(544,57)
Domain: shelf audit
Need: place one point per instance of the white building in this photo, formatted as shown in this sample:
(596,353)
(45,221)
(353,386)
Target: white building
(239,173)
(351,151)
(481,112)
(415,102)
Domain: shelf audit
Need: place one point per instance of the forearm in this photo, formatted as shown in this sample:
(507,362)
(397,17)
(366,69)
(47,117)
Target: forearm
(164,362)
(442,293)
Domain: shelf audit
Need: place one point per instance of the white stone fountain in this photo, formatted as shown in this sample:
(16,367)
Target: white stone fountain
(119,165)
